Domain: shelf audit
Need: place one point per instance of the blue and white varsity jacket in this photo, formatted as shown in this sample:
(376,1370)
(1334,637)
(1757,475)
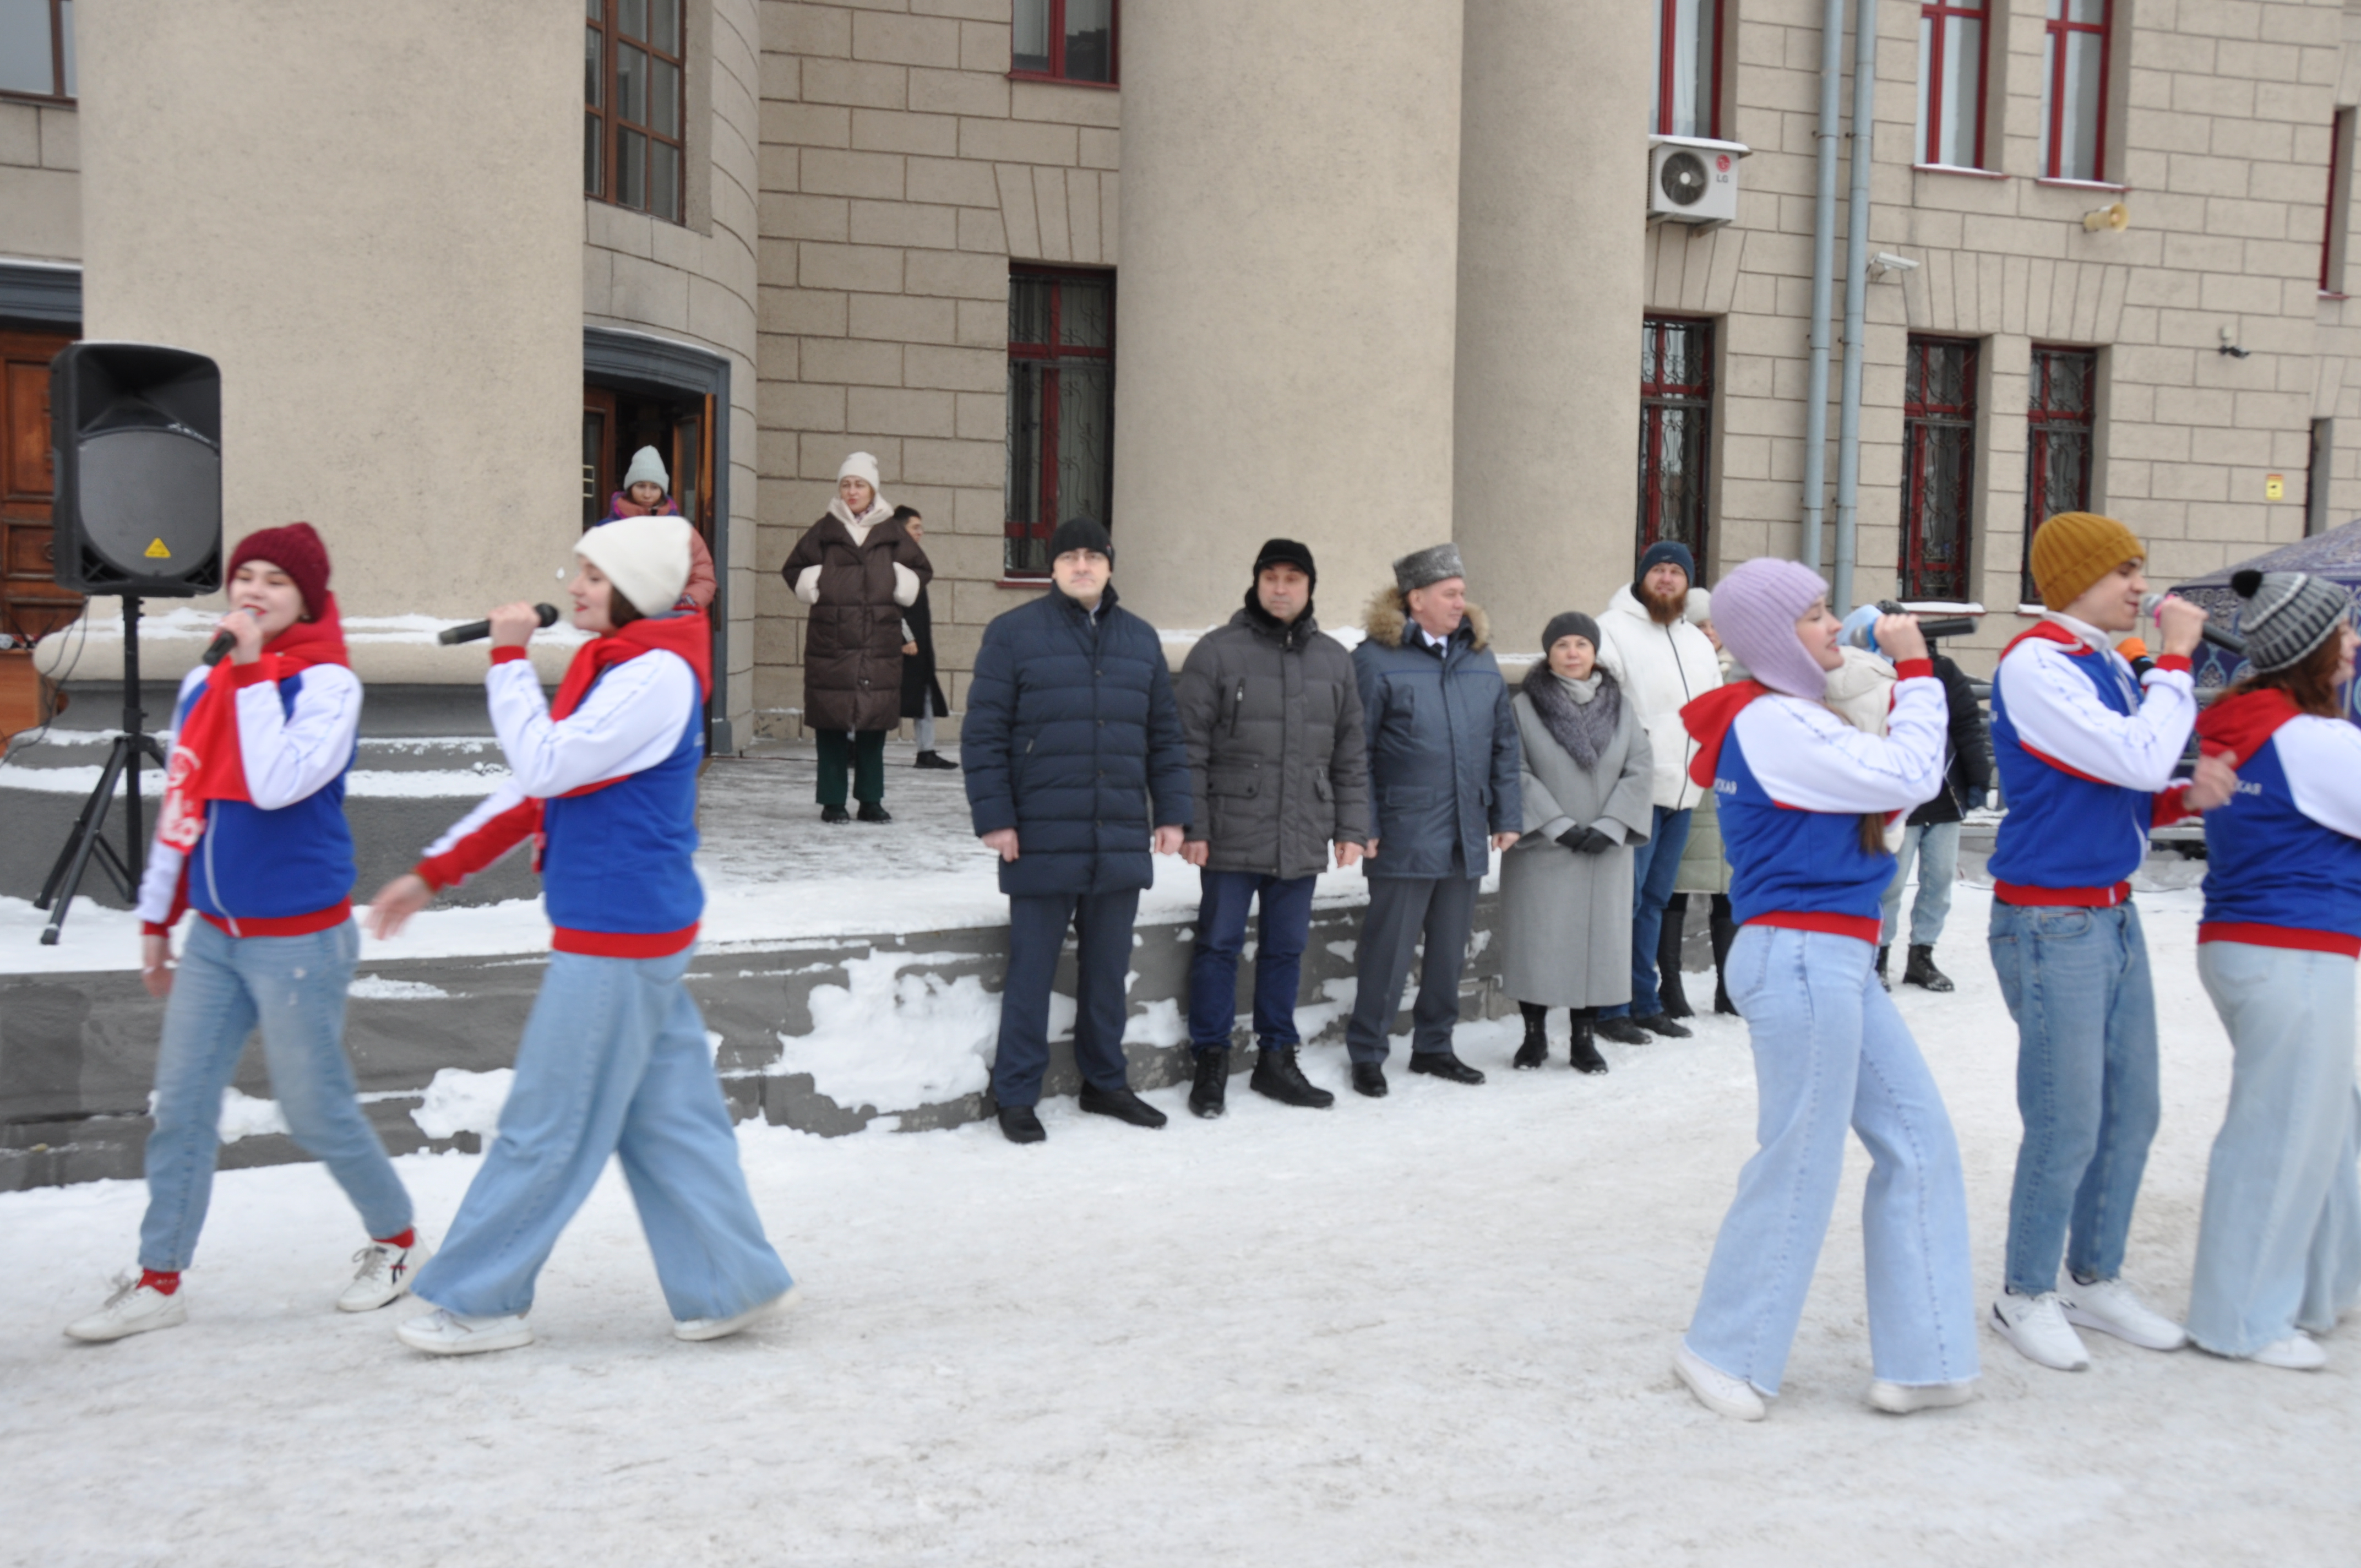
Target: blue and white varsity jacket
(2284,854)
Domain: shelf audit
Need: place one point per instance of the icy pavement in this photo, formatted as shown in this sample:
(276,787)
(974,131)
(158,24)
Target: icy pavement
(1428,1330)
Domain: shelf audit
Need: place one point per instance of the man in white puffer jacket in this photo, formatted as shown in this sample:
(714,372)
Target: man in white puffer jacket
(1663,663)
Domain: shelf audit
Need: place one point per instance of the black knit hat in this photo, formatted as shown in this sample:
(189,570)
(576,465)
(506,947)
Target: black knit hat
(1286,553)
(1081,533)
(1569,623)
(2287,615)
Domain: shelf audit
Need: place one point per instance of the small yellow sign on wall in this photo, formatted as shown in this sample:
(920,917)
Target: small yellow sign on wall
(2274,487)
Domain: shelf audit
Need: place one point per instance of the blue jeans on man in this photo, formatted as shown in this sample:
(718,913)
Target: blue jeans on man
(2076,980)
(1280,932)
(1655,866)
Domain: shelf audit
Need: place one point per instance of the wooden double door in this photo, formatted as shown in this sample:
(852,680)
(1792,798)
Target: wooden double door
(617,423)
(31,603)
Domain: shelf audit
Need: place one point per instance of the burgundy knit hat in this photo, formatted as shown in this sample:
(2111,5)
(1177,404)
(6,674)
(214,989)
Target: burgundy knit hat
(295,550)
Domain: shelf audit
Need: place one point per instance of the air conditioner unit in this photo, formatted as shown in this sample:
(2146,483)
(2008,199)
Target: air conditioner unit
(1693,179)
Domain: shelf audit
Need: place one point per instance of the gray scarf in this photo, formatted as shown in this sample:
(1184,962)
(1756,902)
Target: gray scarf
(1584,729)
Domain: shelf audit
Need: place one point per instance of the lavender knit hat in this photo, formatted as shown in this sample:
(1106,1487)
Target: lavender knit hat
(1755,608)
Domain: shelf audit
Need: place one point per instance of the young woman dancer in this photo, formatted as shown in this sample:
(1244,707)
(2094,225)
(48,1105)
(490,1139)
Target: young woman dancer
(1804,800)
(614,1060)
(253,837)
(2279,1253)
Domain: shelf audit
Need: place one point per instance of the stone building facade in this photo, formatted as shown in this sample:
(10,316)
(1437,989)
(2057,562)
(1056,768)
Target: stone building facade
(1381,275)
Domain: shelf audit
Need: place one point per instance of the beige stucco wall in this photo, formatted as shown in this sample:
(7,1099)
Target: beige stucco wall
(1291,240)
(379,235)
(1553,167)
(694,282)
(41,184)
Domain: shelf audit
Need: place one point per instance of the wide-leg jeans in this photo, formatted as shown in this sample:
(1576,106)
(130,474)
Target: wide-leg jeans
(292,988)
(1830,1052)
(1935,846)
(614,1062)
(2077,982)
(2280,1244)
(1283,927)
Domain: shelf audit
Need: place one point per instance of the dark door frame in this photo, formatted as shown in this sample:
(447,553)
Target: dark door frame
(659,367)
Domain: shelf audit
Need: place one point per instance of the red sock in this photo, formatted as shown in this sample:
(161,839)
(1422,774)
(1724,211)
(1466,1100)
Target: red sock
(163,1281)
(405,1241)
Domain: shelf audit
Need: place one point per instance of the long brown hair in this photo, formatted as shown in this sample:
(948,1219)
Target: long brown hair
(2310,683)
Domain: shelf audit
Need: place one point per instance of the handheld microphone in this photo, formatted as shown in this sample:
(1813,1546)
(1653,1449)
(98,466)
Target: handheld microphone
(2221,637)
(218,649)
(477,631)
(1932,630)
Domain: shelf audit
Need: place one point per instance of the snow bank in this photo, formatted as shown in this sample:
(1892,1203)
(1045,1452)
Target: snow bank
(461,1102)
(894,1040)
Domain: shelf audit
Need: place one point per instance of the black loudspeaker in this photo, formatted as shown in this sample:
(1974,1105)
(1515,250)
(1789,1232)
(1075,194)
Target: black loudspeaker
(137,433)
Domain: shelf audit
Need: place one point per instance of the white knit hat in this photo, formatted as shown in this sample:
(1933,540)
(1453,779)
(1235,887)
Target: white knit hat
(646,557)
(860,465)
(646,468)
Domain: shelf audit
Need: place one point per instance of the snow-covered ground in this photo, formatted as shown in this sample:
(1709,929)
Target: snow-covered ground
(1433,1328)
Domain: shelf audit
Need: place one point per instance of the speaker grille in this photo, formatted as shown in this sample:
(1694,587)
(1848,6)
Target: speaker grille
(150,502)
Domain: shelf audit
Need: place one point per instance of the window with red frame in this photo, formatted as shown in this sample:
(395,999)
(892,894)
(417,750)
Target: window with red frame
(1064,40)
(1061,408)
(1939,466)
(1675,431)
(1952,47)
(2074,89)
(2060,414)
(36,48)
(631,69)
(1688,67)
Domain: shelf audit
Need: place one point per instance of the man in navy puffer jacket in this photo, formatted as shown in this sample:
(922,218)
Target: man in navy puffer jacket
(1071,732)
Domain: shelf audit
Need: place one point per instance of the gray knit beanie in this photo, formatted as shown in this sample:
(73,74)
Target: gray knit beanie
(1569,623)
(1756,605)
(1423,568)
(2287,615)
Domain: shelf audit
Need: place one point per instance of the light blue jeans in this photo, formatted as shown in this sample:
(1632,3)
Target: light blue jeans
(2280,1247)
(2076,980)
(614,1062)
(1830,1052)
(1936,847)
(293,988)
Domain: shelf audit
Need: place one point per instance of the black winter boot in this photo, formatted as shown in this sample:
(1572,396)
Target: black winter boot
(1584,1057)
(1208,1095)
(1725,931)
(1277,1076)
(874,811)
(1535,1050)
(834,814)
(1623,1031)
(936,759)
(1669,988)
(1921,969)
(1121,1104)
(1881,968)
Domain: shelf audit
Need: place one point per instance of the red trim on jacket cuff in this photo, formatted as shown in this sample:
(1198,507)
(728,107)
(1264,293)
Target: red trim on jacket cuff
(505,654)
(262,672)
(154,928)
(326,919)
(2176,661)
(1914,670)
(1861,928)
(2026,898)
(2301,938)
(622,944)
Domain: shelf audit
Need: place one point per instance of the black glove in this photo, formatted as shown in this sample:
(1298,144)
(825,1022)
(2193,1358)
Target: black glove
(1586,840)
(1573,836)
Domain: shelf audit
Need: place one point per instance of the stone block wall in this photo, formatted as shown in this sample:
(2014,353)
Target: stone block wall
(41,184)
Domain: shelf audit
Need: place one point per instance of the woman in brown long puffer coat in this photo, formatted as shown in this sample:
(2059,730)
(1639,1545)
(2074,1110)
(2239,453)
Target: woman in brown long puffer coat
(859,569)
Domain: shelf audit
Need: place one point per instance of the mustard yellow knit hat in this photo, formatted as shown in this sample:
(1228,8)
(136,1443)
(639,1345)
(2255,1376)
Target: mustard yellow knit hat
(2075,549)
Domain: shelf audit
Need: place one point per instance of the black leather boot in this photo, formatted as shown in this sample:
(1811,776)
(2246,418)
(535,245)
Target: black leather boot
(1278,1076)
(1535,1050)
(1584,1057)
(1669,988)
(1021,1125)
(1369,1079)
(1881,969)
(1920,969)
(1623,1031)
(1208,1095)
(1725,931)
(1121,1104)
(874,811)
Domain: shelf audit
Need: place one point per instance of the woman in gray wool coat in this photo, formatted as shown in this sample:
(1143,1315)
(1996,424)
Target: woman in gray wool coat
(1566,887)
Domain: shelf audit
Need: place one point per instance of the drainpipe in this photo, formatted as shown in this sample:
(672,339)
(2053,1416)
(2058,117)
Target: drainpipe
(1865,95)
(1824,267)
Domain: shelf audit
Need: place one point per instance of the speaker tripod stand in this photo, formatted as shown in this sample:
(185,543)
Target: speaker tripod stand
(88,842)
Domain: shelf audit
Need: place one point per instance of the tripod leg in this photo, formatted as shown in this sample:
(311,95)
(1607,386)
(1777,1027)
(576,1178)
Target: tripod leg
(65,879)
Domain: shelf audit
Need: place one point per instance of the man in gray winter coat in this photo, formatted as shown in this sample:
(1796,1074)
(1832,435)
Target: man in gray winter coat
(1273,723)
(1442,770)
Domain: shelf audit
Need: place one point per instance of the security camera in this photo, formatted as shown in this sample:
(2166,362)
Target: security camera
(1886,261)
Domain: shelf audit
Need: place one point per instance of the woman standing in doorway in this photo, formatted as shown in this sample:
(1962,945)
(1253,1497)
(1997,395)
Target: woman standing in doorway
(859,569)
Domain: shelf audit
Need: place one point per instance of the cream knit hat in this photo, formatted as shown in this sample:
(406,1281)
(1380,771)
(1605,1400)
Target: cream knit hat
(645,557)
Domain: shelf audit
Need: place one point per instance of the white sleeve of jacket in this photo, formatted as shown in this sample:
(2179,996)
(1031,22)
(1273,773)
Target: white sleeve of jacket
(291,756)
(906,585)
(1809,759)
(508,797)
(2059,714)
(2321,758)
(632,720)
(162,875)
(807,584)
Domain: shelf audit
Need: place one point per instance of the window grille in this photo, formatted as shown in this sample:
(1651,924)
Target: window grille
(1939,463)
(1675,431)
(1061,408)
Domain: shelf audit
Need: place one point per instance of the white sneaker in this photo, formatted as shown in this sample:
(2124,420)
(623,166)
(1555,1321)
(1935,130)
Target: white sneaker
(2036,1325)
(722,1328)
(1716,1390)
(2111,1307)
(134,1308)
(1901,1398)
(384,1275)
(2297,1353)
(441,1333)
